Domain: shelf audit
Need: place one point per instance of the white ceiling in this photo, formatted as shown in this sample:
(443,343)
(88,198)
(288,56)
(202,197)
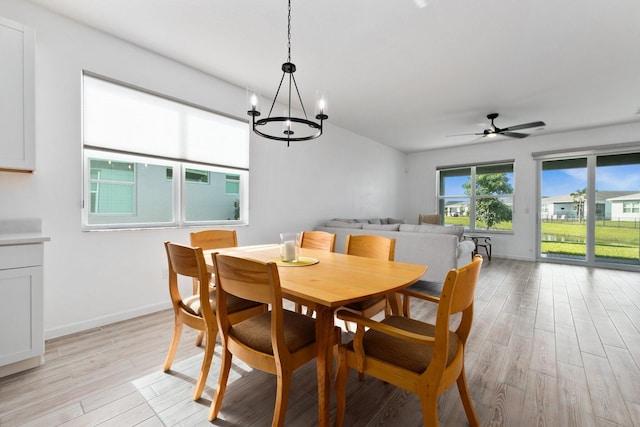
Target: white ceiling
(406,73)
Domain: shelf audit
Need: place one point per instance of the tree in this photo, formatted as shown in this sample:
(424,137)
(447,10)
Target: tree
(491,210)
(579,197)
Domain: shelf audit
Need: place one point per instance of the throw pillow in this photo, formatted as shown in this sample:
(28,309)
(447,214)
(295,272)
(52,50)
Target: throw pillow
(343,219)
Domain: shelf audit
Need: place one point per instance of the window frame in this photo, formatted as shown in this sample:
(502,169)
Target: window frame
(474,197)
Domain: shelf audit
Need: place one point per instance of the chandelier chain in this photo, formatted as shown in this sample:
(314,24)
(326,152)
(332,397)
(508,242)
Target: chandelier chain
(289,33)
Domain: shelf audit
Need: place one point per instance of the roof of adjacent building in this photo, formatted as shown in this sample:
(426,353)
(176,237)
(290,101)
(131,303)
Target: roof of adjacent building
(601,196)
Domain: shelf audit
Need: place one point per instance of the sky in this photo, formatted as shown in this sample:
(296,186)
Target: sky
(608,178)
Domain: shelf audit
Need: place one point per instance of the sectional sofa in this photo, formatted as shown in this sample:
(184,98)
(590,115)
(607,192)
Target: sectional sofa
(439,247)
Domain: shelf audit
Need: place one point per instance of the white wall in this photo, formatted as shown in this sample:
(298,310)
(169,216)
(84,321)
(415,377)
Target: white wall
(95,278)
(521,244)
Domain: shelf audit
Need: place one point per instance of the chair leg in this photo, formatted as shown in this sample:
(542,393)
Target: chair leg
(225,366)
(298,308)
(340,388)
(347,326)
(429,405)
(282,398)
(206,365)
(175,340)
(199,338)
(406,306)
(463,389)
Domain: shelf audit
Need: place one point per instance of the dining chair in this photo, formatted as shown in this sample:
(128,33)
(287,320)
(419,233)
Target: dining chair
(277,342)
(207,240)
(316,240)
(198,311)
(422,358)
(429,219)
(370,246)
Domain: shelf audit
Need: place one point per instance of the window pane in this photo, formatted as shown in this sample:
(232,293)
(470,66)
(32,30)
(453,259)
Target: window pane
(455,211)
(111,187)
(453,181)
(617,230)
(494,213)
(563,229)
(494,179)
(211,202)
(134,193)
(194,175)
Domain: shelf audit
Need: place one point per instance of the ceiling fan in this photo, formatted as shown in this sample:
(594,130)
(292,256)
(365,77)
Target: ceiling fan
(493,130)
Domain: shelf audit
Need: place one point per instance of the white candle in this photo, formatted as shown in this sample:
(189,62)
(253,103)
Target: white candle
(289,250)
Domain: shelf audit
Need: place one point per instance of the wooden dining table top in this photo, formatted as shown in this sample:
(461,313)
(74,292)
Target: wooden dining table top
(337,279)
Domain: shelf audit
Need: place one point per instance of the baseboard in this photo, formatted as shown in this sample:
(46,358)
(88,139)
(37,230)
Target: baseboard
(104,320)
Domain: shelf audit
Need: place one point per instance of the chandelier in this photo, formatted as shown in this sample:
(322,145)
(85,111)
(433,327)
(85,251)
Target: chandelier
(286,127)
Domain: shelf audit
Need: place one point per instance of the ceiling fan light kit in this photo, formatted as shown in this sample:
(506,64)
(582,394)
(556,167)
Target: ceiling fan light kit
(282,128)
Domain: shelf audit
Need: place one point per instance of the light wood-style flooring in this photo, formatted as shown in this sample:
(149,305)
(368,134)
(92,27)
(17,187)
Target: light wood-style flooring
(552,345)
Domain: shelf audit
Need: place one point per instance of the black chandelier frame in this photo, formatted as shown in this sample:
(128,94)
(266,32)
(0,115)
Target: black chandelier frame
(288,68)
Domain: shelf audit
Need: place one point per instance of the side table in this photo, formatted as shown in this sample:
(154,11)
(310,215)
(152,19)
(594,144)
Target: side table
(480,242)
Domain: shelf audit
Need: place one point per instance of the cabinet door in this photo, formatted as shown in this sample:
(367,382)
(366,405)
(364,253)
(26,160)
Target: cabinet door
(17,144)
(21,323)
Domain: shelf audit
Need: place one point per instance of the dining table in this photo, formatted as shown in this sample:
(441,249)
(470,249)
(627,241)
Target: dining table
(325,281)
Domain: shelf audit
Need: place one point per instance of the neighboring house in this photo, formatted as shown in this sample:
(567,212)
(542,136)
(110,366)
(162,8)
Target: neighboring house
(608,204)
(457,209)
(625,208)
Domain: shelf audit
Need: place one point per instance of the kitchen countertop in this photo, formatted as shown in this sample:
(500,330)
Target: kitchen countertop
(21,232)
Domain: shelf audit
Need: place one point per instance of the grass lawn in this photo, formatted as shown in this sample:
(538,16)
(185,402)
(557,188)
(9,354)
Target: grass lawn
(614,239)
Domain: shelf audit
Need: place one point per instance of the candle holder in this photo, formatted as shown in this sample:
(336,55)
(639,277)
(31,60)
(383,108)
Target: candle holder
(289,247)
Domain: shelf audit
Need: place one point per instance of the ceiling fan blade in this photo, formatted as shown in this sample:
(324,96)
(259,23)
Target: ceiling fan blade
(464,134)
(525,126)
(514,134)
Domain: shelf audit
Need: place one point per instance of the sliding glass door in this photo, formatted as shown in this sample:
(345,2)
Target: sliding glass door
(563,228)
(617,216)
(590,209)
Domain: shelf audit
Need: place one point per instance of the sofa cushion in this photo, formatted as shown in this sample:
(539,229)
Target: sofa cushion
(395,221)
(432,228)
(375,221)
(387,227)
(342,224)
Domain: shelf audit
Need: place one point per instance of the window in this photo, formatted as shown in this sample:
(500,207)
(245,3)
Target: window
(232,184)
(150,161)
(478,197)
(631,207)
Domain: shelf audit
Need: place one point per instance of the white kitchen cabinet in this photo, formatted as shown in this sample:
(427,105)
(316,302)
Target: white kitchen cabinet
(21,299)
(17,99)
